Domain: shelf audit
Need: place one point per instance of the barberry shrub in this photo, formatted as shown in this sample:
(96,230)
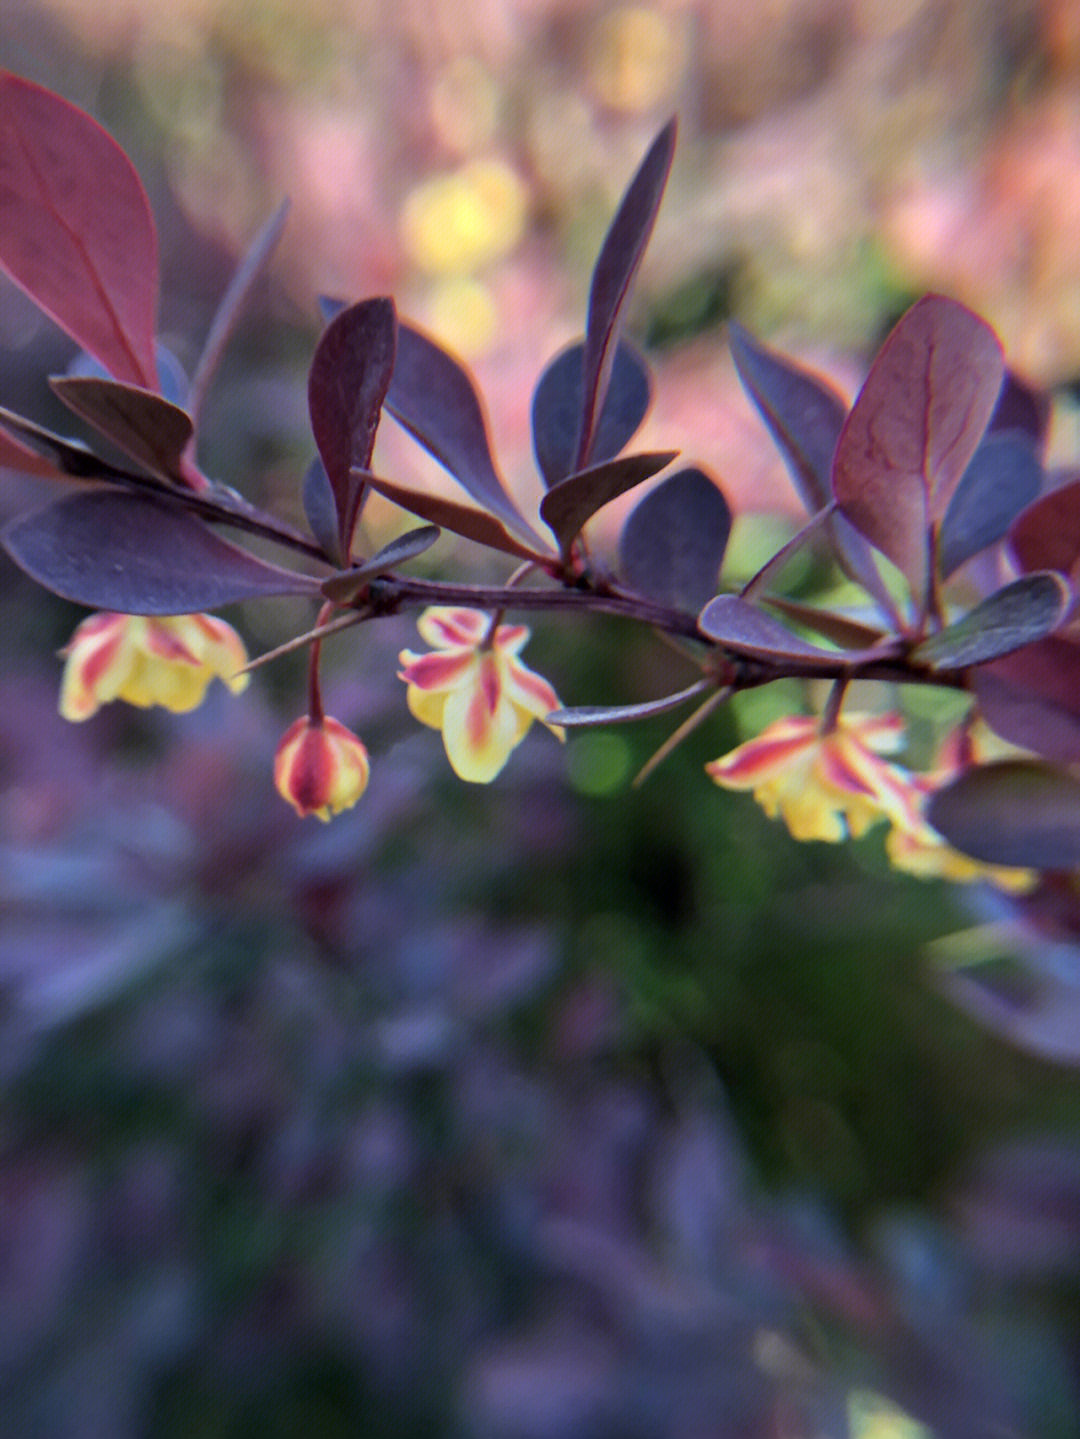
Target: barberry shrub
(928,493)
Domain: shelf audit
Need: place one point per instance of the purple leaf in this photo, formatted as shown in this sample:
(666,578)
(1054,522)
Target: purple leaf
(138,555)
(432,395)
(231,306)
(347,383)
(585,715)
(14,456)
(1021,613)
(1046,536)
(1032,698)
(146,427)
(557,405)
(320,510)
(1016,812)
(1020,408)
(673,542)
(914,428)
(70,457)
(476,525)
(1004,475)
(620,256)
(76,232)
(744,628)
(345,587)
(841,629)
(571,502)
(805,416)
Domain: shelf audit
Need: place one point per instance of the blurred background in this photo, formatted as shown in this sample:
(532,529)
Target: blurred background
(554,1109)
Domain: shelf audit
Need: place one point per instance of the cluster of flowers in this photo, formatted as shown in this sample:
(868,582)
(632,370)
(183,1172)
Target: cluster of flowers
(827,781)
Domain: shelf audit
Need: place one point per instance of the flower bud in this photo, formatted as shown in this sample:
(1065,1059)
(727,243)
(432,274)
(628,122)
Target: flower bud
(320,767)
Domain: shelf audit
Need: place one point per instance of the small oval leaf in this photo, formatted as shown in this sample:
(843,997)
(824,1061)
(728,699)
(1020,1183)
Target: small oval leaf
(76,231)
(150,430)
(557,404)
(571,502)
(673,542)
(1021,613)
(345,587)
(1016,812)
(115,551)
(744,628)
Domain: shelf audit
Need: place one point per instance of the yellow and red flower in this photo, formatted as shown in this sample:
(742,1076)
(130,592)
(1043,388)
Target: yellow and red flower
(825,786)
(475,689)
(148,660)
(320,767)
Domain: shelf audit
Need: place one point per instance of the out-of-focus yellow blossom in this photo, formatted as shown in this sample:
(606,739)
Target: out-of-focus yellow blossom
(148,660)
(456,223)
(638,58)
(320,767)
(825,786)
(475,689)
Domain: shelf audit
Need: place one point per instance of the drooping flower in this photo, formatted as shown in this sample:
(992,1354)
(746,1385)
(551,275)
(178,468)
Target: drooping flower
(828,786)
(148,660)
(475,689)
(320,767)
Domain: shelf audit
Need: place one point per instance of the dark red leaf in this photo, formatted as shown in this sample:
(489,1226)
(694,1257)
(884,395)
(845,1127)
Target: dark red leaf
(347,384)
(1021,613)
(1016,812)
(557,404)
(115,551)
(476,525)
(742,627)
(147,428)
(913,429)
(1046,536)
(571,502)
(1032,697)
(620,256)
(1004,475)
(433,396)
(76,232)
(673,542)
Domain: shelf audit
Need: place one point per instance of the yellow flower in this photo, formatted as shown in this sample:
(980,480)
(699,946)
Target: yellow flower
(146,661)
(476,691)
(320,767)
(824,786)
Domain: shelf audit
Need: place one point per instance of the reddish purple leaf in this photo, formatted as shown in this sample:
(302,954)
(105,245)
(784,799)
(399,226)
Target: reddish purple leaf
(1047,535)
(115,551)
(1032,697)
(476,525)
(147,428)
(1020,408)
(571,502)
(673,542)
(744,628)
(347,384)
(319,509)
(913,429)
(1016,812)
(70,458)
(432,395)
(76,232)
(620,256)
(557,403)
